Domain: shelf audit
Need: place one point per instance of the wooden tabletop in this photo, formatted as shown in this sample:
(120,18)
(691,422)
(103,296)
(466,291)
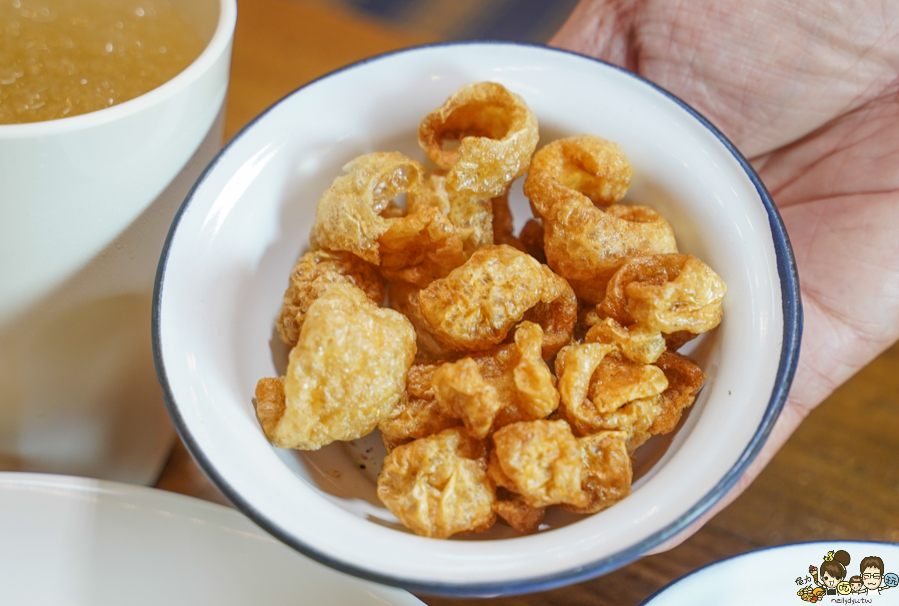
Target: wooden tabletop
(837,477)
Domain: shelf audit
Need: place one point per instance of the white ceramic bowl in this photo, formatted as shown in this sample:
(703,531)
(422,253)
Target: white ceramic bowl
(230,251)
(71,540)
(776,574)
(85,206)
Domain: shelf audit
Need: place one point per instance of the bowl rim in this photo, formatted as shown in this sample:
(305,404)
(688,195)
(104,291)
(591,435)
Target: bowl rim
(791,308)
(221,38)
(755,553)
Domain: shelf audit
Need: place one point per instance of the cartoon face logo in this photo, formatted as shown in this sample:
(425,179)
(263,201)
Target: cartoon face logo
(871,577)
(843,587)
(828,580)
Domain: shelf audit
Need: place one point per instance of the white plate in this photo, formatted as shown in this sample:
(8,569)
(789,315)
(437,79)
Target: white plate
(68,540)
(776,575)
(231,249)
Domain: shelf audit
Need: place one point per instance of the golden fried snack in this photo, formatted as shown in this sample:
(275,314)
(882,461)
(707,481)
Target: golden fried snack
(636,342)
(685,379)
(438,486)
(618,381)
(531,238)
(350,214)
(496,134)
(346,373)
(460,388)
(607,473)
(429,193)
(507,384)
(601,390)
(575,366)
(634,418)
(503,223)
(270,403)
(672,293)
(419,414)
(420,247)
(539,460)
(586,245)
(574,168)
(476,305)
(315,272)
(516,513)
(403,297)
(689,301)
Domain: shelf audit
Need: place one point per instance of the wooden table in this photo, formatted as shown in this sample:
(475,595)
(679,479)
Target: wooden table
(837,478)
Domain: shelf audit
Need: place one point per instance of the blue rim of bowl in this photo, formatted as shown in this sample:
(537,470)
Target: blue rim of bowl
(792,317)
(756,552)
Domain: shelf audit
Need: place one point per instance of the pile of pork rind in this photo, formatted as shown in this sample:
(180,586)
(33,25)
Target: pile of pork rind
(509,373)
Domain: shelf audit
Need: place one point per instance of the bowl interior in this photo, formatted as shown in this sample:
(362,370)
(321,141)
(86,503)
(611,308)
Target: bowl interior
(225,268)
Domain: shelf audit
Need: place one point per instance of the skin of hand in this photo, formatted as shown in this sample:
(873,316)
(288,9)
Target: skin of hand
(808,90)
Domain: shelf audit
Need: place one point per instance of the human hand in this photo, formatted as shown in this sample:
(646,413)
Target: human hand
(809,91)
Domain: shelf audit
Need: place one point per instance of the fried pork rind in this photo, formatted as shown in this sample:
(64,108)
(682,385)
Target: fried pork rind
(270,403)
(516,513)
(496,134)
(601,390)
(420,247)
(403,297)
(351,213)
(315,273)
(607,473)
(507,384)
(569,169)
(673,293)
(346,373)
(690,301)
(583,243)
(586,245)
(438,486)
(685,379)
(636,342)
(539,460)
(420,414)
(460,388)
(476,305)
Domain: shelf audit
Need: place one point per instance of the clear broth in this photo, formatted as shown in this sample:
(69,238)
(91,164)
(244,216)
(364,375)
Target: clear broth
(62,58)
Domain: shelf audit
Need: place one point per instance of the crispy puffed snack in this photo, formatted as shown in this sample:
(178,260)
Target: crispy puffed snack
(685,379)
(586,245)
(351,213)
(438,486)
(477,304)
(595,382)
(346,373)
(574,167)
(539,460)
(496,134)
(618,381)
(460,388)
(503,223)
(672,293)
(270,403)
(403,297)
(634,418)
(420,247)
(507,384)
(314,273)
(531,238)
(690,301)
(607,472)
(419,414)
(512,509)
(636,342)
